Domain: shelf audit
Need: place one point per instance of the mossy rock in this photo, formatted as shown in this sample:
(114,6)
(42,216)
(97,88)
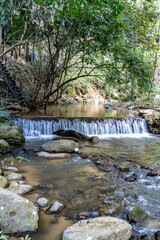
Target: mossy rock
(137,215)
(17,214)
(12,134)
(4,117)
(3,182)
(4,146)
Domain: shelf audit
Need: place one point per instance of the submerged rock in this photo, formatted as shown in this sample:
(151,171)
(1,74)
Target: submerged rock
(137,215)
(147,237)
(131,177)
(60,146)
(17,214)
(125,166)
(3,182)
(12,134)
(104,228)
(4,146)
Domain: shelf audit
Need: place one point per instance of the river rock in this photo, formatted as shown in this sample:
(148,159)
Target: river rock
(60,146)
(71,133)
(142,112)
(104,228)
(12,134)
(137,215)
(17,214)
(42,202)
(12,176)
(131,177)
(83,215)
(4,146)
(125,166)
(3,182)
(147,237)
(53,155)
(94,139)
(56,207)
(149,114)
(10,169)
(19,188)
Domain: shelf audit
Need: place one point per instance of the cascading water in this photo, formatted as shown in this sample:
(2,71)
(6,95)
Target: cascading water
(38,128)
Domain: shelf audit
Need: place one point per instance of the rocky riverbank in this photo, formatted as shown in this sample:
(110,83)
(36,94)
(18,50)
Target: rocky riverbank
(13,185)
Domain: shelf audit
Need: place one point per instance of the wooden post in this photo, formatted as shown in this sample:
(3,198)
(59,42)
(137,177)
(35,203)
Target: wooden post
(19,51)
(0,38)
(12,51)
(27,52)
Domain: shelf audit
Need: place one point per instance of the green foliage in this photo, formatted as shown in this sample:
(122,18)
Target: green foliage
(20,159)
(27,237)
(3,236)
(4,116)
(6,237)
(117,38)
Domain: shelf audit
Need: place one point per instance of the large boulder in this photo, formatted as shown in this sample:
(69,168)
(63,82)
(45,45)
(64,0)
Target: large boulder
(103,228)
(12,134)
(4,146)
(17,214)
(149,114)
(143,112)
(60,146)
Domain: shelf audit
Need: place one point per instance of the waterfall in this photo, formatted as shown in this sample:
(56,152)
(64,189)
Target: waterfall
(44,128)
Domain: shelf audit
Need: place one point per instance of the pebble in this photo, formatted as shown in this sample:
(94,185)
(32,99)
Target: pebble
(93,214)
(83,215)
(56,207)
(42,202)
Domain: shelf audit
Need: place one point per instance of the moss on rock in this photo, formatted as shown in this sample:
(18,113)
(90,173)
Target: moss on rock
(12,134)
(4,146)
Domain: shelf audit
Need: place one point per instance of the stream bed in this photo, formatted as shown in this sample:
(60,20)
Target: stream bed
(82,187)
(79,184)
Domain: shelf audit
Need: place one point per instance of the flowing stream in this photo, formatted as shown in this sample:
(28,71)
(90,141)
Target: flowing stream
(81,186)
(44,128)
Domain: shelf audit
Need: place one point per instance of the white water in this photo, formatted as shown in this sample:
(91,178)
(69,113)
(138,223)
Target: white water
(126,127)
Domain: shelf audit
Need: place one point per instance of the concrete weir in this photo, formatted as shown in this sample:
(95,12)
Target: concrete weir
(44,127)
